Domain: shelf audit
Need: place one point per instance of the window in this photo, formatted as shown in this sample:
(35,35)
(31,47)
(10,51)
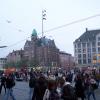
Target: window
(98,38)
(93,44)
(93,49)
(84,50)
(79,45)
(89,60)
(98,43)
(79,61)
(99,57)
(79,55)
(88,45)
(79,50)
(89,55)
(75,45)
(84,45)
(84,61)
(89,50)
(94,58)
(84,56)
(75,50)
(98,49)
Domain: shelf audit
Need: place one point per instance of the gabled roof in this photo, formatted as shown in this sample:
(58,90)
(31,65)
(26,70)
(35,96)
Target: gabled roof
(45,42)
(64,53)
(89,35)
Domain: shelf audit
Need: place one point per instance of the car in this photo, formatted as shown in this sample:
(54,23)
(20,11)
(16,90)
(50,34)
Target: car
(19,79)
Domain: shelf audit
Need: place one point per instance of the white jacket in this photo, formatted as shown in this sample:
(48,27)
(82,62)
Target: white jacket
(46,94)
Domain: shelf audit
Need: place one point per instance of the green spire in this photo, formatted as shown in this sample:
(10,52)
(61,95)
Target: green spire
(34,32)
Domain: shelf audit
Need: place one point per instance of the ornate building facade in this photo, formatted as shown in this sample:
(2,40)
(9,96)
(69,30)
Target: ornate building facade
(40,51)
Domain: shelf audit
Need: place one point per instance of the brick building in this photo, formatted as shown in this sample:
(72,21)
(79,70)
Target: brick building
(15,56)
(41,51)
(2,62)
(66,60)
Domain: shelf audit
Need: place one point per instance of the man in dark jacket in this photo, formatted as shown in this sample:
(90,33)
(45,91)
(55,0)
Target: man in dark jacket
(79,87)
(3,80)
(39,89)
(32,83)
(10,83)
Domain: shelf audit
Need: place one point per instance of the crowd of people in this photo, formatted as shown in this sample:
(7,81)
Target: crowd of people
(8,82)
(58,85)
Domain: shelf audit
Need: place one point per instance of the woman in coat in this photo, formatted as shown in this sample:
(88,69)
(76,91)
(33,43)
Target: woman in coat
(79,87)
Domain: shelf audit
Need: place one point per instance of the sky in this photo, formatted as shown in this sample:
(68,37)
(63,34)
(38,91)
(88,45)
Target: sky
(19,17)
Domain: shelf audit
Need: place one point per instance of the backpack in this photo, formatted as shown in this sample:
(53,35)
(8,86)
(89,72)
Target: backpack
(46,94)
(32,82)
(54,95)
(68,93)
(94,86)
(13,83)
(51,95)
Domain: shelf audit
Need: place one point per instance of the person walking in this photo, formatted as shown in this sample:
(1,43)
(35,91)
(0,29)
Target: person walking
(3,80)
(39,89)
(32,83)
(91,88)
(51,92)
(67,90)
(10,83)
(79,87)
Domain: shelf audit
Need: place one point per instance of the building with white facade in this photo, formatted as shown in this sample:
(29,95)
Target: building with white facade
(87,48)
(2,62)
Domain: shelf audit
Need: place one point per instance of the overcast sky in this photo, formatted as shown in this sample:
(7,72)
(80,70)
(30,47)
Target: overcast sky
(19,17)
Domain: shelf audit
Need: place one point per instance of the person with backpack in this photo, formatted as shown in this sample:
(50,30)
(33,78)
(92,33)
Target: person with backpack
(39,89)
(67,91)
(79,87)
(10,83)
(91,88)
(32,83)
(51,91)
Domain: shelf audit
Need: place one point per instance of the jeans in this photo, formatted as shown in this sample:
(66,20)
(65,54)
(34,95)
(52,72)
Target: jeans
(2,85)
(31,93)
(9,92)
(91,93)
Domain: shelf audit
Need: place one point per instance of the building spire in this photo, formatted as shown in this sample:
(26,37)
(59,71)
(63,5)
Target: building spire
(34,32)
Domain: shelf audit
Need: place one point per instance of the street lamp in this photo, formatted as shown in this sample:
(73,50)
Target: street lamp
(3,46)
(43,18)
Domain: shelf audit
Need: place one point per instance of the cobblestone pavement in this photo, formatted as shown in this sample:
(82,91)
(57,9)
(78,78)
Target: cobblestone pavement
(21,91)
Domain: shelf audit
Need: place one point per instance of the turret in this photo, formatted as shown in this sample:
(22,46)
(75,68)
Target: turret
(34,35)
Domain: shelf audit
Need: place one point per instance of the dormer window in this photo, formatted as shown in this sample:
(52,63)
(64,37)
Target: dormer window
(98,38)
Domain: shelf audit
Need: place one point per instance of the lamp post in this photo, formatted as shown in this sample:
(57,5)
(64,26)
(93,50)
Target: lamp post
(3,46)
(43,18)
